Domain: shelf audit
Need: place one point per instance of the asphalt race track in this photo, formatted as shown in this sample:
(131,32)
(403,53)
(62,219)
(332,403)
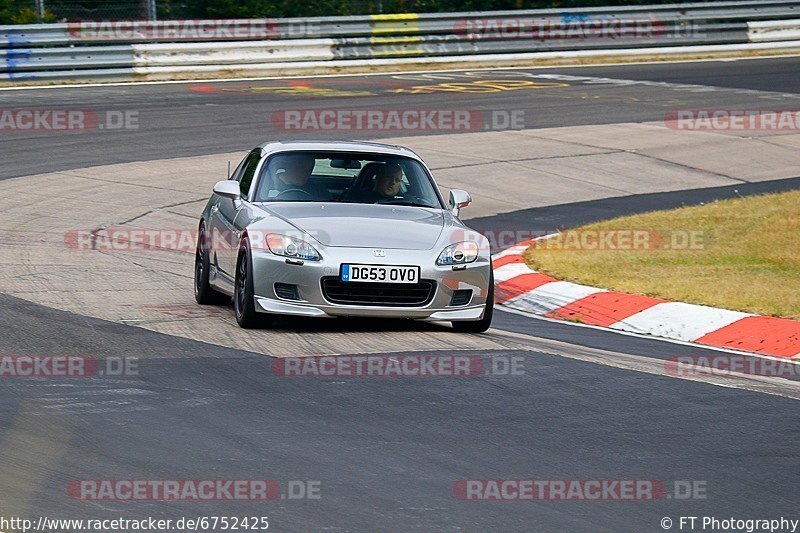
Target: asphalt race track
(388,454)
(189,119)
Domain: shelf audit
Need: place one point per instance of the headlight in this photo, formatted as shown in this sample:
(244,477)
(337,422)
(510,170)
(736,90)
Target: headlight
(458,254)
(291,247)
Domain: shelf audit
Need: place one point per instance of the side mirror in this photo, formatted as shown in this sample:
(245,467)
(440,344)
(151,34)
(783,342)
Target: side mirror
(459,199)
(228,189)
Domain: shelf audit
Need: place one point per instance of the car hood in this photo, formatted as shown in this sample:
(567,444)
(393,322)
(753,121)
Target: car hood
(363,225)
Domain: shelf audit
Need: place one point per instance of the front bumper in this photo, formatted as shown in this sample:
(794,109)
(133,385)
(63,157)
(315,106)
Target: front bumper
(269,269)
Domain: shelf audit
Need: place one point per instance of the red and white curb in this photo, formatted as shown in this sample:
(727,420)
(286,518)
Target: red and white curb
(520,288)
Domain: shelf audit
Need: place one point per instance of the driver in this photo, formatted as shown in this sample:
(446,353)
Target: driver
(387,181)
(297,169)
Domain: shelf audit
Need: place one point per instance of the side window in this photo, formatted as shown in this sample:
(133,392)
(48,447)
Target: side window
(238,170)
(249,165)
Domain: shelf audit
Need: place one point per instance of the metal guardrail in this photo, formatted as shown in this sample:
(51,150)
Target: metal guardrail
(125,49)
(774,30)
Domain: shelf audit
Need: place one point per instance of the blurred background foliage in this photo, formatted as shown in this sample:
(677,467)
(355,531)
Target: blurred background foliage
(27,11)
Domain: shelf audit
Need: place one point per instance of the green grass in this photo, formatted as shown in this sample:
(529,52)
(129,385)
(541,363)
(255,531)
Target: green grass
(746,255)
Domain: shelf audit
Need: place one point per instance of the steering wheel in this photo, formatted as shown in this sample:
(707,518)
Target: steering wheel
(294,190)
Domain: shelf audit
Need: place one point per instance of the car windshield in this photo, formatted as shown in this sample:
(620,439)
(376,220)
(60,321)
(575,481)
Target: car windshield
(346,177)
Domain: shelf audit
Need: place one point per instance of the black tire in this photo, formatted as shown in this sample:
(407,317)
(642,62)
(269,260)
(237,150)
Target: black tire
(479,326)
(203,292)
(244,305)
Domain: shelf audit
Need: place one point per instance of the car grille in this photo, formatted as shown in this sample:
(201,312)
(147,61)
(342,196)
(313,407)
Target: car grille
(388,294)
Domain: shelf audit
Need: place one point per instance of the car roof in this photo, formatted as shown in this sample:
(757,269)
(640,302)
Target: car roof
(336,146)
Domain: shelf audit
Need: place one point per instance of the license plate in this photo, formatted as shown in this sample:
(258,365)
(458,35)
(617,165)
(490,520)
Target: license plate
(380,273)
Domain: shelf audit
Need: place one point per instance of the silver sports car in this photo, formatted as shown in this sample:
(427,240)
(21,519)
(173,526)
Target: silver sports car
(324,229)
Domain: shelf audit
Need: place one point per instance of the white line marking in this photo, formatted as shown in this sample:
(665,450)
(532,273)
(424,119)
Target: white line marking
(552,296)
(687,322)
(643,336)
(511,270)
(651,365)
